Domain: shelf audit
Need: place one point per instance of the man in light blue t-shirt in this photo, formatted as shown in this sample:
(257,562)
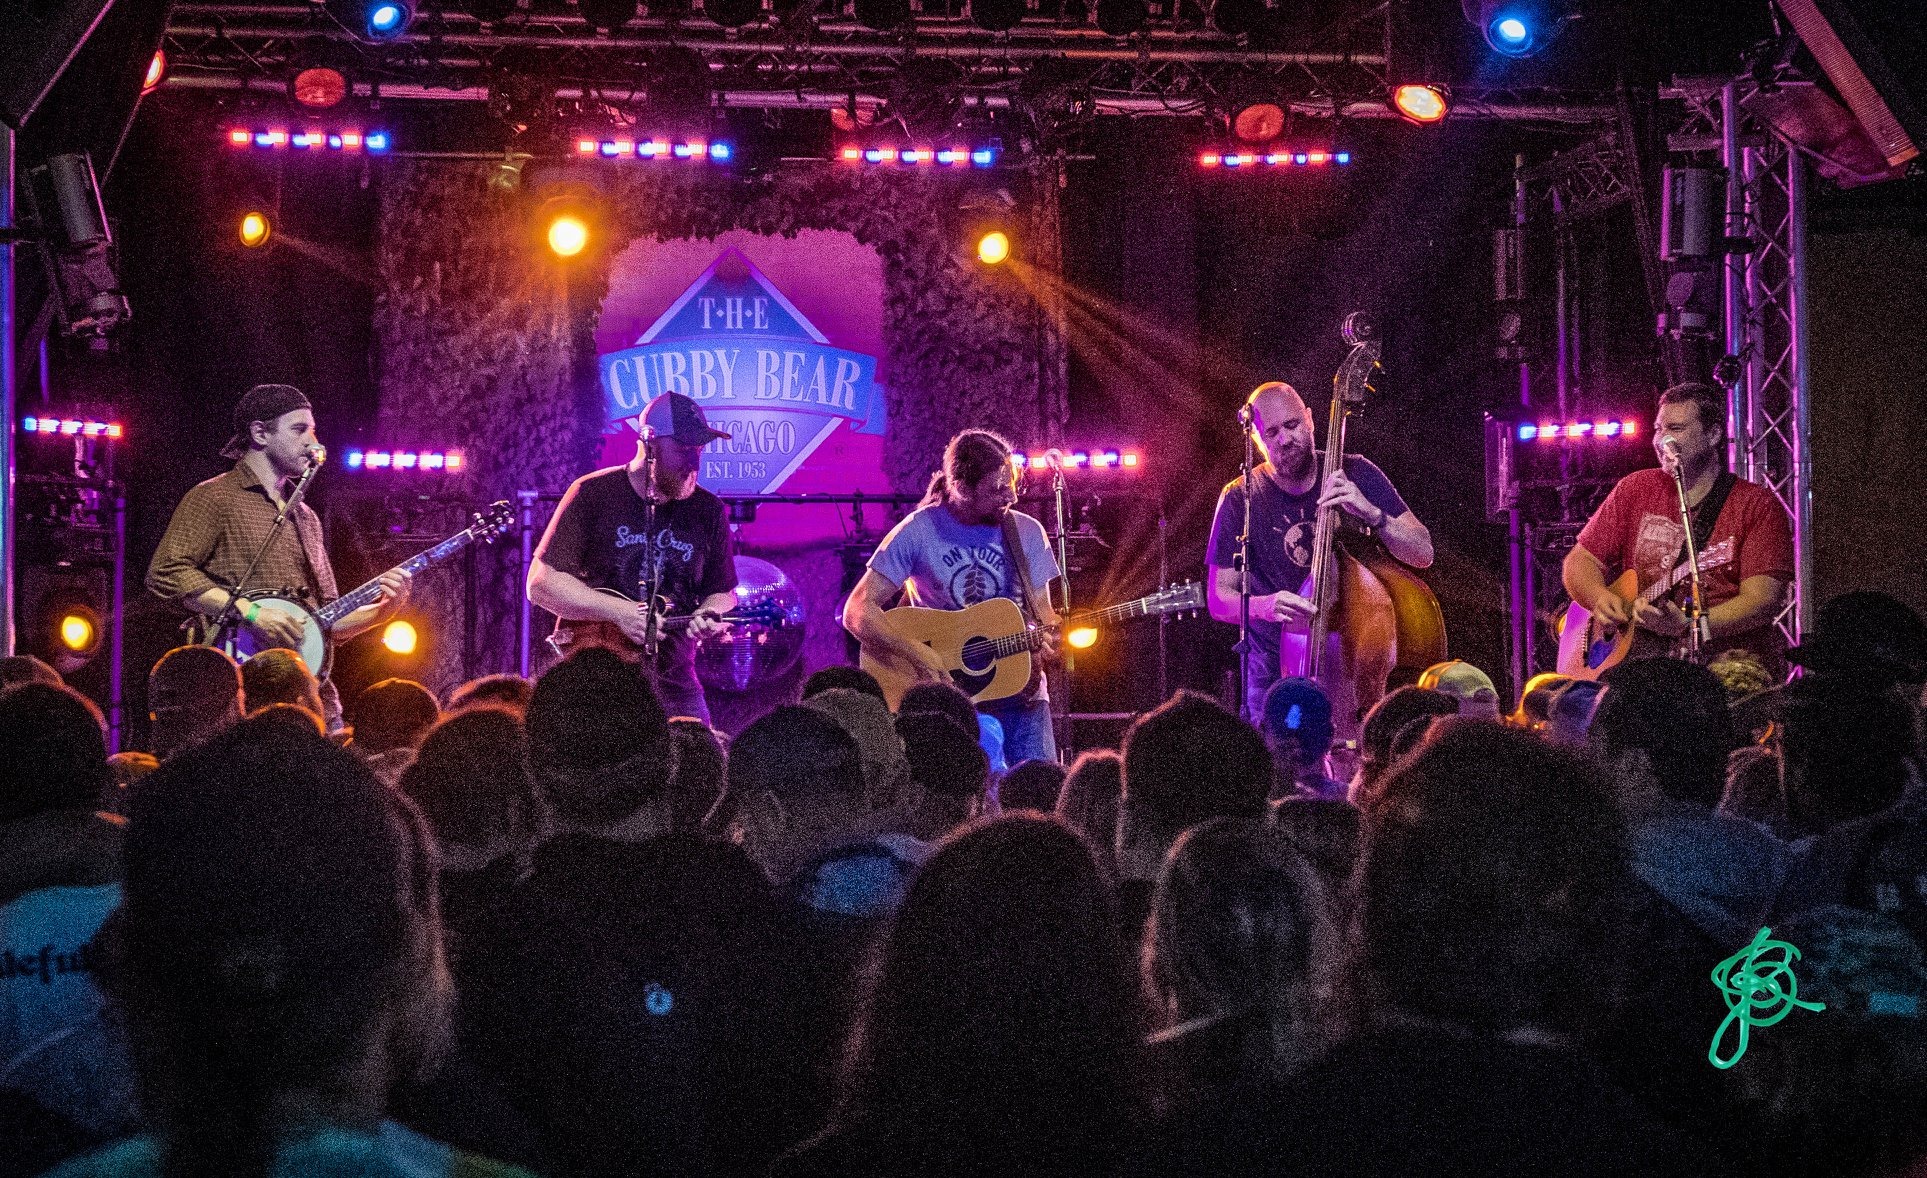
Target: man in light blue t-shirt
(949,554)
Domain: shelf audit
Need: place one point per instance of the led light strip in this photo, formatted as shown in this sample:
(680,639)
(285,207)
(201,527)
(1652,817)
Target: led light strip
(278,138)
(948,157)
(446,461)
(1076,459)
(1554,430)
(71,427)
(1251,159)
(626,147)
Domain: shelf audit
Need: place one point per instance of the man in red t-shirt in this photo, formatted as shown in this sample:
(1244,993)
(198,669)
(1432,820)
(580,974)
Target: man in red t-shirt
(1746,561)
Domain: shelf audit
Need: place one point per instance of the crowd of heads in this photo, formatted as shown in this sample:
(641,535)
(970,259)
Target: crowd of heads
(1200,940)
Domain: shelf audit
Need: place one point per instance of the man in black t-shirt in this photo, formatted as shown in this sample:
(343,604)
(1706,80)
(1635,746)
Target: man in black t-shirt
(1284,520)
(599,539)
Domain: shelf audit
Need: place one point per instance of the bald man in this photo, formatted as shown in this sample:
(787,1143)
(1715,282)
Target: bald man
(1284,520)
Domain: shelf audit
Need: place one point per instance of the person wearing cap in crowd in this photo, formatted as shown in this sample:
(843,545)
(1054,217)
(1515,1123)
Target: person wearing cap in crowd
(598,539)
(1466,683)
(221,524)
(1297,726)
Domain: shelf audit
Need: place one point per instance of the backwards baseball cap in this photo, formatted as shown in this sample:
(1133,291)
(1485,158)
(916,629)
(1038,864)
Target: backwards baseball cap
(673,415)
(263,402)
(1299,708)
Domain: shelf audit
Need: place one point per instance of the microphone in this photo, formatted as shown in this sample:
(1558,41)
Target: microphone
(1054,458)
(317,453)
(1669,453)
(1244,415)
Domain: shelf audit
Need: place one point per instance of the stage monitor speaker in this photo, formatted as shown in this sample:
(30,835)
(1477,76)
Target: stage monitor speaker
(1872,50)
(37,40)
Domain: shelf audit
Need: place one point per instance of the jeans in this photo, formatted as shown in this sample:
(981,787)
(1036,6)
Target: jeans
(681,691)
(1028,735)
(1261,671)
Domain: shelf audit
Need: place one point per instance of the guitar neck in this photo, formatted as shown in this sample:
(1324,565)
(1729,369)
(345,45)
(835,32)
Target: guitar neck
(368,591)
(1033,639)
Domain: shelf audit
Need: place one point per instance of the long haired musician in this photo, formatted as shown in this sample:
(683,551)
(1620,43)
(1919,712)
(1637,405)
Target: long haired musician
(1287,497)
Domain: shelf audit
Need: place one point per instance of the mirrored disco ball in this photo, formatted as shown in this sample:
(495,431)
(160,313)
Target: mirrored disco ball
(753,654)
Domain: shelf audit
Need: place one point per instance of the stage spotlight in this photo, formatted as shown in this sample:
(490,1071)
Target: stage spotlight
(318,87)
(1121,18)
(993,247)
(996,16)
(399,637)
(568,235)
(1080,637)
(1419,103)
(255,229)
(608,15)
(74,635)
(1517,28)
(62,203)
(388,19)
(732,14)
(156,72)
(1260,122)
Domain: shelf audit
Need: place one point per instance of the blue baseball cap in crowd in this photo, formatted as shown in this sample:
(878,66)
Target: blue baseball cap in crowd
(1300,708)
(673,415)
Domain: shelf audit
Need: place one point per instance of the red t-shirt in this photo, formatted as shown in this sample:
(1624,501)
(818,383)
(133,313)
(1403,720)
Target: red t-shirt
(1638,527)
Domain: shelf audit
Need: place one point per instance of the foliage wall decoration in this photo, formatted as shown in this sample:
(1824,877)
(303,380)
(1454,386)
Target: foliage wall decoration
(485,340)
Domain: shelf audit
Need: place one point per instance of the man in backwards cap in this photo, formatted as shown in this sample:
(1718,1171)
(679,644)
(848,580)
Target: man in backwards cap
(597,539)
(221,524)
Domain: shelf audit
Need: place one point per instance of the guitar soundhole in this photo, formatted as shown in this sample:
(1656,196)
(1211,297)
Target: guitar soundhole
(985,666)
(1599,650)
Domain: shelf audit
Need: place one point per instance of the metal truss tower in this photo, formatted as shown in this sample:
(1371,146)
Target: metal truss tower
(1765,312)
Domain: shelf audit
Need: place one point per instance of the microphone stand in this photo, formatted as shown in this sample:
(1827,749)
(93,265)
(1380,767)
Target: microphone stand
(1066,744)
(1694,608)
(651,579)
(1245,466)
(225,615)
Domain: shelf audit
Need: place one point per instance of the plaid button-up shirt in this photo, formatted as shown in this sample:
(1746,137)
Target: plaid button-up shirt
(215,532)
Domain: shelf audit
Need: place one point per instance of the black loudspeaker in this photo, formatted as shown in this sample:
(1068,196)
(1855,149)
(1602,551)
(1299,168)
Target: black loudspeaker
(1871,50)
(1692,215)
(40,37)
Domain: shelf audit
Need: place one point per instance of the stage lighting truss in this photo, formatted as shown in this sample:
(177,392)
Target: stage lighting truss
(72,427)
(1255,160)
(406,461)
(347,140)
(1108,461)
(629,147)
(940,157)
(1577,431)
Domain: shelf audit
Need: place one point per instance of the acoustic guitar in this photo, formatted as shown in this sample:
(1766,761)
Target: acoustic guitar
(317,647)
(987,647)
(576,635)
(1589,647)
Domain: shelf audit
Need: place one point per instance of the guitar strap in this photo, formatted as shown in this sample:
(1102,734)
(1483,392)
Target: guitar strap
(1026,588)
(1710,507)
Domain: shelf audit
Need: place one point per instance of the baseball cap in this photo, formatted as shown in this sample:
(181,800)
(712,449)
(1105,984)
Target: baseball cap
(673,415)
(263,402)
(1300,707)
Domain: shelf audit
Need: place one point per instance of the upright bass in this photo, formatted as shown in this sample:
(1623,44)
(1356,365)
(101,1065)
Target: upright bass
(1372,613)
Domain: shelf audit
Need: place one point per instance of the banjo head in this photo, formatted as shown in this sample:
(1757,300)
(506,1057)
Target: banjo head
(244,643)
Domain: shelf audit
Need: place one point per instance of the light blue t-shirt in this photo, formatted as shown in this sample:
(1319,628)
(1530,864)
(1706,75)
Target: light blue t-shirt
(945,564)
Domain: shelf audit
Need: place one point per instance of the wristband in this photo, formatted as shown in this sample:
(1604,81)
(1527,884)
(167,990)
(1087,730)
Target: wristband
(251,612)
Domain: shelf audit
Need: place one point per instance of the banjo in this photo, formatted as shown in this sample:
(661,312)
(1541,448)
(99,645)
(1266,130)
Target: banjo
(317,625)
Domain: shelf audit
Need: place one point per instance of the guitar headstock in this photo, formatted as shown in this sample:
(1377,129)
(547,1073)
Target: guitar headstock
(1176,599)
(498,519)
(1354,378)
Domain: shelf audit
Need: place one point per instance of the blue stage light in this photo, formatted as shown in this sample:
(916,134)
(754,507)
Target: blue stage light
(719,151)
(376,141)
(387,19)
